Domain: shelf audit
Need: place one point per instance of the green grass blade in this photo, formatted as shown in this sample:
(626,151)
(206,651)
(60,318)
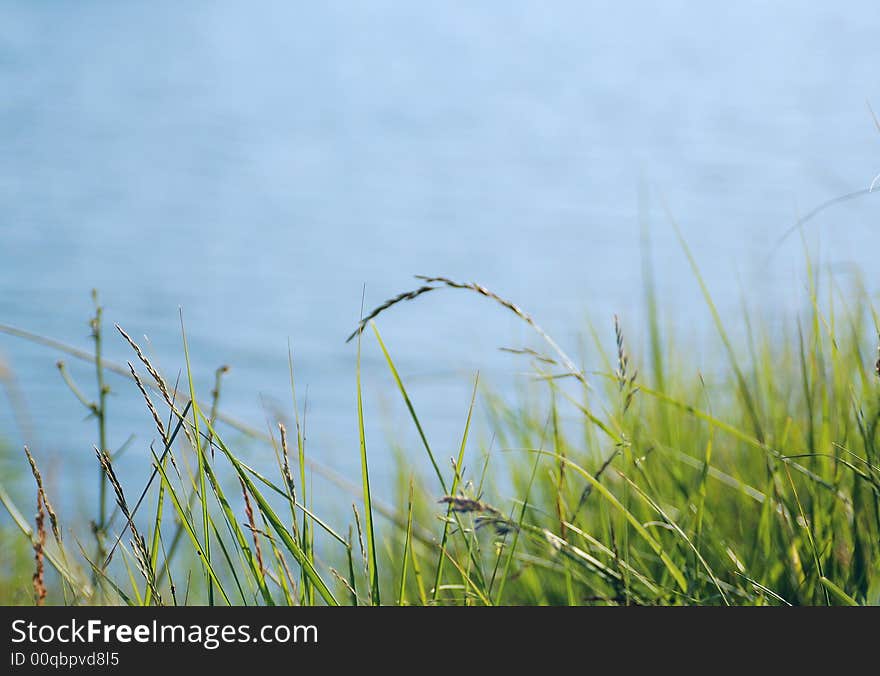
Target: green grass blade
(677,529)
(612,500)
(277,525)
(305,530)
(745,392)
(233,569)
(837,592)
(407,545)
(154,546)
(189,529)
(410,408)
(455,482)
(202,459)
(373,569)
(239,536)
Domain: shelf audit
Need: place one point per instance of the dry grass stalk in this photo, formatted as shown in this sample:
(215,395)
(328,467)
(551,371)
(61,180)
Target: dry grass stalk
(107,467)
(249,512)
(360,532)
(215,404)
(487,515)
(345,583)
(283,563)
(285,460)
(407,295)
(160,382)
(139,544)
(625,381)
(589,489)
(215,391)
(159,425)
(529,352)
(41,496)
(288,477)
(434,283)
(463,505)
(39,574)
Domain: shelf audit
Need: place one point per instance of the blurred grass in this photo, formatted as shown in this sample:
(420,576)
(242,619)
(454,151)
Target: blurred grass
(646,482)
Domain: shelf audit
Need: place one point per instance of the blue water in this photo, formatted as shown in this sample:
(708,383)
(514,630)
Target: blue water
(262,166)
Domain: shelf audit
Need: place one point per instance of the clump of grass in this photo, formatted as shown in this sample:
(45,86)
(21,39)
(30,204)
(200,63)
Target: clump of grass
(757,484)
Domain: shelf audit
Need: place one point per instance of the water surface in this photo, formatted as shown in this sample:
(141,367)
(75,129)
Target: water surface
(262,167)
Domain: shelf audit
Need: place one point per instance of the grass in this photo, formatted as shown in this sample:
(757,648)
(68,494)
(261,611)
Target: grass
(757,483)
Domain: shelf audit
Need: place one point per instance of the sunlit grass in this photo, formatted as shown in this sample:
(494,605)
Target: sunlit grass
(646,482)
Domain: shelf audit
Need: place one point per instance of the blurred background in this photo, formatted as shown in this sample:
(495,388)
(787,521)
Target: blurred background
(264,166)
